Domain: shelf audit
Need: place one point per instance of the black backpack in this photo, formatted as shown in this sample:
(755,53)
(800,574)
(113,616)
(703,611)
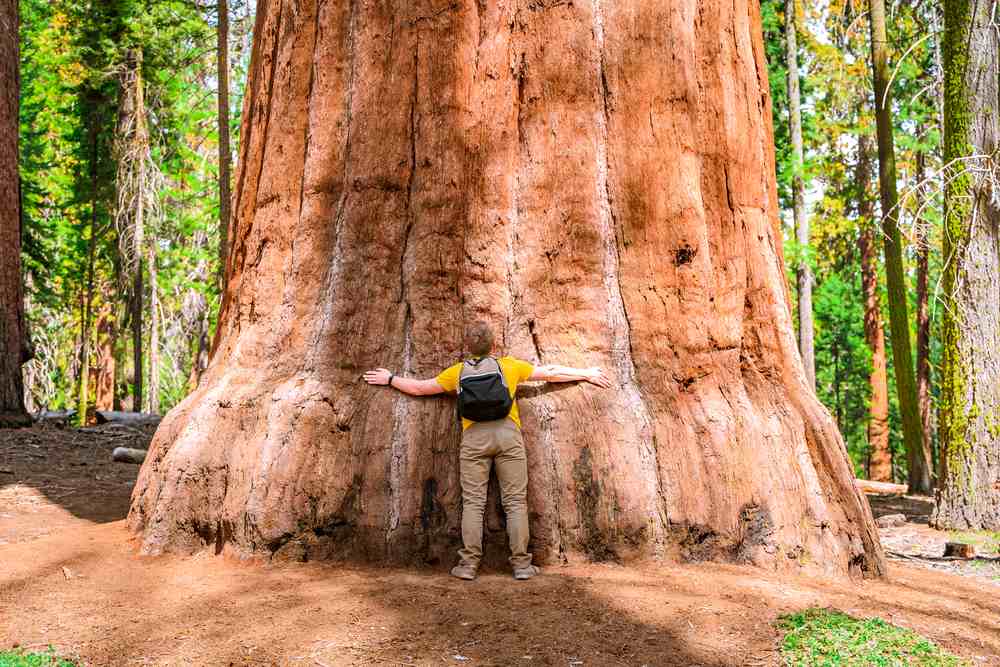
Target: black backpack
(482,391)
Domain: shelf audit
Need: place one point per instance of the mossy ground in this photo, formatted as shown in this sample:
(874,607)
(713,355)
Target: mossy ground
(826,637)
(19,658)
(986,541)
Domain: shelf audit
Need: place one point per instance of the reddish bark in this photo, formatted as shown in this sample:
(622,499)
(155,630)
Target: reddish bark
(923,326)
(13,348)
(598,180)
(104,383)
(880,455)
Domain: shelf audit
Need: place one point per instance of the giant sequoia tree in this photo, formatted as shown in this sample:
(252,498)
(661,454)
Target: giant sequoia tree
(13,346)
(595,178)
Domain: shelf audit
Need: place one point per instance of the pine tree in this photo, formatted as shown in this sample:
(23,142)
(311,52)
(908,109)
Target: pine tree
(918,459)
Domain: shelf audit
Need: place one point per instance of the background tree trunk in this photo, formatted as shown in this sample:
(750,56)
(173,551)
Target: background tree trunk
(918,466)
(923,324)
(409,167)
(104,389)
(225,153)
(83,389)
(153,392)
(135,306)
(880,455)
(12,334)
(803,272)
(199,357)
(969,436)
(136,197)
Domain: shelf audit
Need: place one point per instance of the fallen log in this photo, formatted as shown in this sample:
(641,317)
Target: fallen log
(891,521)
(931,558)
(128,455)
(880,488)
(118,417)
(55,417)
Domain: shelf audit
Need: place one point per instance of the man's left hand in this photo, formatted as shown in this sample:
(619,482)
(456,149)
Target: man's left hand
(596,376)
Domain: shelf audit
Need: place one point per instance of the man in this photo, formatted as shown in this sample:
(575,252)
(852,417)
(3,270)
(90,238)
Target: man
(487,442)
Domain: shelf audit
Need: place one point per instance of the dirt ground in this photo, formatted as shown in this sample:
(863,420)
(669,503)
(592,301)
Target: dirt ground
(69,578)
(919,544)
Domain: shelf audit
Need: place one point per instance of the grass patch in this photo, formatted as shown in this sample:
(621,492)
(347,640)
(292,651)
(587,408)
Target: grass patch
(985,541)
(825,637)
(19,658)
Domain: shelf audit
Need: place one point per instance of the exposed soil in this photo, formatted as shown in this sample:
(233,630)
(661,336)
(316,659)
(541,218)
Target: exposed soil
(69,577)
(53,478)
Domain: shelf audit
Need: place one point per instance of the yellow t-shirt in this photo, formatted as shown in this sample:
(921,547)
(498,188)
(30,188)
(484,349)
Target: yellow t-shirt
(514,371)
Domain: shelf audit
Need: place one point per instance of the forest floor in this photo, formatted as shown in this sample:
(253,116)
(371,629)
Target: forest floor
(70,579)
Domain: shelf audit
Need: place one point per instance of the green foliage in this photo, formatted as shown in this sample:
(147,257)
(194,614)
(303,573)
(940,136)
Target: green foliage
(19,658)
(773,21)
(843,360)
(825,637)
(838,104)
(72,55)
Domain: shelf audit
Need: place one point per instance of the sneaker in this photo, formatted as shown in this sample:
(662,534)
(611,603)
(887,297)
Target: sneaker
(526,572)
(463,571)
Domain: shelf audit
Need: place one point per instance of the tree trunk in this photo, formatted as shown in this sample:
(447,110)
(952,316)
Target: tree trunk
(104,389)
(918,467)
(83,389)
(923,324)
(407,168)
(136,317)
(225,153)
(199,359)
(880,455)
(803,272)
(12,333)
(969,435)
(134,197)
(153,392)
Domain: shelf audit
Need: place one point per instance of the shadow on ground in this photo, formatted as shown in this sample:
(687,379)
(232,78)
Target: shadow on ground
(114,608)
(44,468)
(917,509)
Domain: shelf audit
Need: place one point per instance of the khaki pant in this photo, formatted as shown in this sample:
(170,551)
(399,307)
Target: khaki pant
(484,443)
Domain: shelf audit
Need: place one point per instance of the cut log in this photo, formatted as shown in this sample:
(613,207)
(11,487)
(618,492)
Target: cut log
(959,550)
(880,488)
(128,455)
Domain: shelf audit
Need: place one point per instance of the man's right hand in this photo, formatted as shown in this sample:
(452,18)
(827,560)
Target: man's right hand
(379,376)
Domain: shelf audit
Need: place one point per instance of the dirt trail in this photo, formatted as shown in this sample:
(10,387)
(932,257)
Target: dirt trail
(76,583)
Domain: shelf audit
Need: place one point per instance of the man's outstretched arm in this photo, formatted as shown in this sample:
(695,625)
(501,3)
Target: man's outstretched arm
(411,386)
(554,373)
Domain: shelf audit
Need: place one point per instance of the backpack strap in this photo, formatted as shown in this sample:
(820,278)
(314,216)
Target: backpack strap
(469,364)
(503,378)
